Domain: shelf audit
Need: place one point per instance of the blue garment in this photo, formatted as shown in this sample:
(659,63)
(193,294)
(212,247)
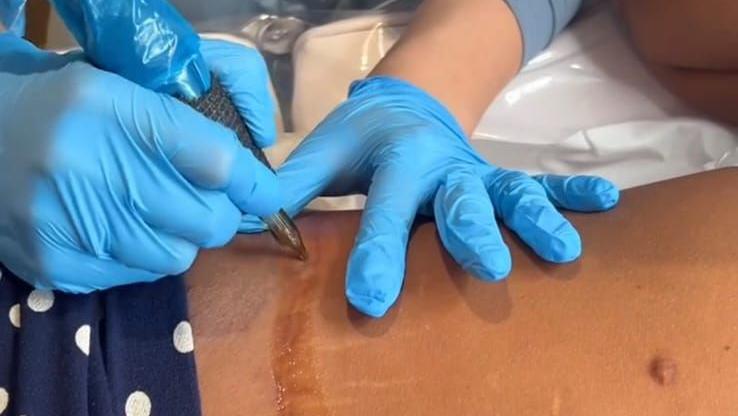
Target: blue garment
(541,20)
(105,354)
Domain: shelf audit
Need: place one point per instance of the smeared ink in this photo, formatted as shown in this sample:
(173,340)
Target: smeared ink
(295,378)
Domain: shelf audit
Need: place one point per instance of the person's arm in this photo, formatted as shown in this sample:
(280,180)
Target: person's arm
(463,52)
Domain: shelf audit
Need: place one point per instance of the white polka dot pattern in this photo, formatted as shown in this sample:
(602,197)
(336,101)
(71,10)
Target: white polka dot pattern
(138,404)
(41,300)
(182,338)
(4,399)
(82,339)
(68,323)
(15,315)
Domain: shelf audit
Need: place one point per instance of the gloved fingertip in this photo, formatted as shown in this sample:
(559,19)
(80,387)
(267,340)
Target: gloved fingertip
(564,246)
(591,193)
(493,265)
(608,193)
(465,222)
(374,275)
(265,135)
(368,305)
(244,74)
(547,232)
(253,187)
(580,193)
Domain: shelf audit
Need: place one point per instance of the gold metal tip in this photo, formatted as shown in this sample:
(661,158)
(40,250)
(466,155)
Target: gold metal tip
(301,251)
(286,233)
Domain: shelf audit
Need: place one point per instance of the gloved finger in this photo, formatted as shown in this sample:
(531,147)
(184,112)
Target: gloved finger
(244,74)
(75,272)
(376,267)
(210,156)
(136,245)
(309,170)
(253,187)
(205,218)
(467,227)
(580,193)
(524,207)
(21,57)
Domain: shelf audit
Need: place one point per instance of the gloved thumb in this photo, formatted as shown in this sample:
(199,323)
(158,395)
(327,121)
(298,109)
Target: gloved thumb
(210,156)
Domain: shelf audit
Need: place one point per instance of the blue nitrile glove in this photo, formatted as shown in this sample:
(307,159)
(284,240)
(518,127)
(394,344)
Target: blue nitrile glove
(406,151)
(104,183)
(13,16)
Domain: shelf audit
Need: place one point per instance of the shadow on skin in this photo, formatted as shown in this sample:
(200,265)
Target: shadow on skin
(372,327)
(490,301)
(522,252)
(333,242)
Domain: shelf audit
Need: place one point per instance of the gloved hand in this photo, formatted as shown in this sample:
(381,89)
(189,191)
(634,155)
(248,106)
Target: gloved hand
(104,183)
(406,151)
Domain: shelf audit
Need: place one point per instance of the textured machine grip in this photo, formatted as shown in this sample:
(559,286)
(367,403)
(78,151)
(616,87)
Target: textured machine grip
(218,106)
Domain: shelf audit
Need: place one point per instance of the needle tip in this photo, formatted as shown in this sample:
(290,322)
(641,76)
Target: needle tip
(287,234)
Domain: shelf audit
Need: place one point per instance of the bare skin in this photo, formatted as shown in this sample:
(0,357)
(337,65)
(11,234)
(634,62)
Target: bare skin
(445,39)
(692,47)
(686,34)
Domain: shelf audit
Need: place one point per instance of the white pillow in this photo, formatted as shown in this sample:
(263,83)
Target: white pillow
(327,58)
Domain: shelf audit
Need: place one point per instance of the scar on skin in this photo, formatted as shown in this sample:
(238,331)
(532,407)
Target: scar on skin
(663,370)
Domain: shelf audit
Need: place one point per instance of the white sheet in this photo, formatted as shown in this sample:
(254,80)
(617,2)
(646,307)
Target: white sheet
(588,105)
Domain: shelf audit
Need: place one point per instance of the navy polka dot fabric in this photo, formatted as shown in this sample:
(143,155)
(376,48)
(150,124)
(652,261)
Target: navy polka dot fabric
(124,352)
